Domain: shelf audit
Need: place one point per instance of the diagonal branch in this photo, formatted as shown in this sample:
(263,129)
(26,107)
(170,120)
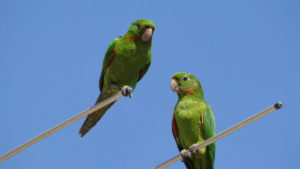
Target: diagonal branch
(217,137)
(61,126)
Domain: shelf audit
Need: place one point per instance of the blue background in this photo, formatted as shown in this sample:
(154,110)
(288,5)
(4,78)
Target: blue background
(245,53)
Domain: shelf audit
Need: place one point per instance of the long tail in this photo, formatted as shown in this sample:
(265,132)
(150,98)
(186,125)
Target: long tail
(93,118)
(199,163)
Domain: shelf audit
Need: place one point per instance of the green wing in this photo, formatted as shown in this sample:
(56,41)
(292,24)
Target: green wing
(143,71)
(108,59)
(176,134)
(209,122)
(188,162)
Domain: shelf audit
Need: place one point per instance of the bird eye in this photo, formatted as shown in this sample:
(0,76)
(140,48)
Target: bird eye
(185,78)
(138,26)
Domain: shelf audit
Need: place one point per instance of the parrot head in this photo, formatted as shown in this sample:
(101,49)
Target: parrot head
(186,84)
(142,29)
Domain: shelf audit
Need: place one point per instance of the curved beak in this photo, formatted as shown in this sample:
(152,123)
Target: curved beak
(174,86)
(147,34)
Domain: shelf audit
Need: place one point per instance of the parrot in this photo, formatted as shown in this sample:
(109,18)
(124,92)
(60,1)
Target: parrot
(126,61)
(193,122)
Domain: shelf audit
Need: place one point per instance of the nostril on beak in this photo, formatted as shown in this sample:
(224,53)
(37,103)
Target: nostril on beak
(174,85)
(147,34)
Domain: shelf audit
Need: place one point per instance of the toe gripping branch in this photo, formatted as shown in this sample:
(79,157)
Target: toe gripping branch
(188,153)
(185,154)
(127,91)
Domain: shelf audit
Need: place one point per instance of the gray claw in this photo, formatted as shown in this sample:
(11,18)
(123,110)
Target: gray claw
(193,149)
(185,154)
(127,91)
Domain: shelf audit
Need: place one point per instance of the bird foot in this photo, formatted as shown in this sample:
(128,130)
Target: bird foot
(194,149)
(127,91)
(185,154)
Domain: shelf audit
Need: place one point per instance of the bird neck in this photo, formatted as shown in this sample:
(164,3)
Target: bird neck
(191,95)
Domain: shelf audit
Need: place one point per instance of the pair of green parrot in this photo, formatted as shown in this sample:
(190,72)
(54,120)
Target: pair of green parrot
(126,61)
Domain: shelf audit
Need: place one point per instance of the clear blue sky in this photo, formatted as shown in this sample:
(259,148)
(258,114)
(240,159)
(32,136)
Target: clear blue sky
(245,53)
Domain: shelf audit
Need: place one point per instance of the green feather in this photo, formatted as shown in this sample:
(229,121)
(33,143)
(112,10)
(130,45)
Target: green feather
(126,61)
(194,120)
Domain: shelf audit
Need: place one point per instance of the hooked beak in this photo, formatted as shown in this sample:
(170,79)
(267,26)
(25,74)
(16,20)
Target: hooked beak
(174,86)
(147,34)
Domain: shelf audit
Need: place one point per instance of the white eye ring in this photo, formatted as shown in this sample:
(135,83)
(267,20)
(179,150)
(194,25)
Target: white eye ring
(185,78)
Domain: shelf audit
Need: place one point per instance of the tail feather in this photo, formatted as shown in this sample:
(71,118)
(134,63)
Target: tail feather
(189,164)
(93,118)
(198,163)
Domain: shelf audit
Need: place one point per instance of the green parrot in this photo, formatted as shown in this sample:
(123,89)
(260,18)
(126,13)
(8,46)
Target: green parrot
(193,122)
(126,61)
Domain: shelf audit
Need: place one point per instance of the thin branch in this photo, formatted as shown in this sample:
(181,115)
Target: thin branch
(251,119)
(61,125)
